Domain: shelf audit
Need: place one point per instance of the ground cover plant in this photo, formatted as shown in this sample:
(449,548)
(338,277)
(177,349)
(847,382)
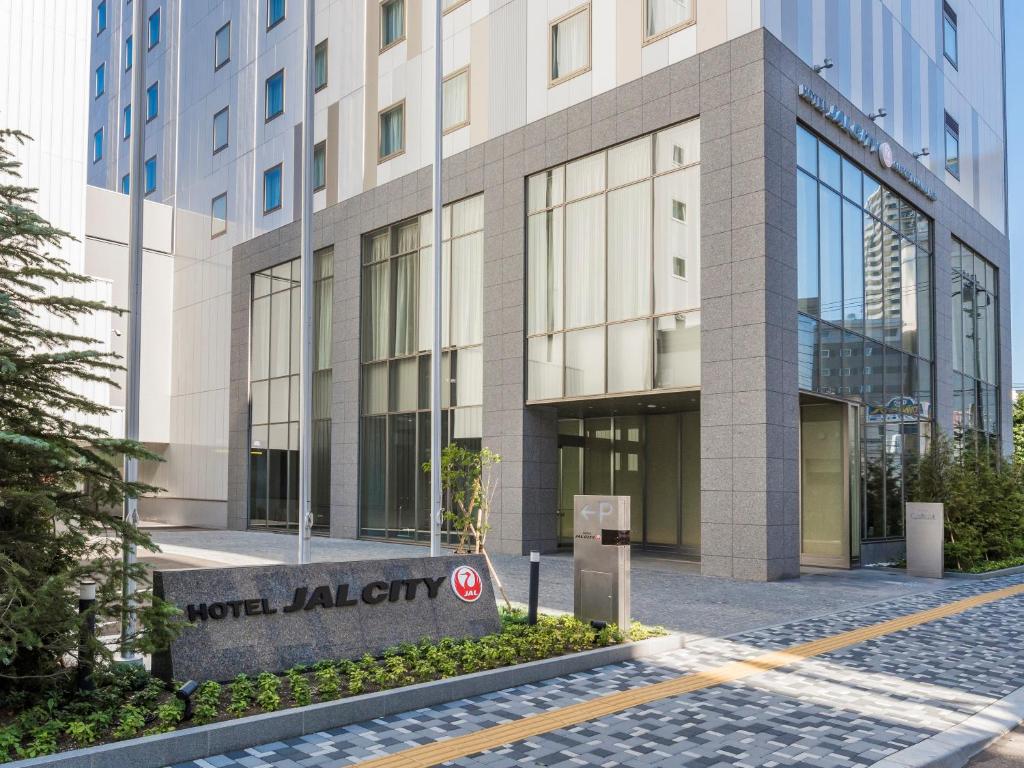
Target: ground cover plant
(128,702)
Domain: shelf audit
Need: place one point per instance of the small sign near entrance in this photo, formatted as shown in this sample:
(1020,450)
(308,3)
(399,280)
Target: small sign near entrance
(269,618)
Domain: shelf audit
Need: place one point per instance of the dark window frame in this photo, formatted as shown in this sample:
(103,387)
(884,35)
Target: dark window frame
(321,46)
(149,30)
(280,202)
(145,176)
(126,117)
(101,17)
(949,17)
(227,134)
(156,113)
(99,133)
(100,80)
(218,65)
(213,202)
(129,52)
(266,101)
(279,19)
(951,130)
(323,185)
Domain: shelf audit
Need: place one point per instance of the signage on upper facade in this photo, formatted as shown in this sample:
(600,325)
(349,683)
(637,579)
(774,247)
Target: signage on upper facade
(270,618)
(861,134)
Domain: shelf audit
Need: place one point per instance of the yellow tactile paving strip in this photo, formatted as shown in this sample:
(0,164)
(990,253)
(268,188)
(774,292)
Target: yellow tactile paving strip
(602,706)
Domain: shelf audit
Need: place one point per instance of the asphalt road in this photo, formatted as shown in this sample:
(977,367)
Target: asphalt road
(1008,752)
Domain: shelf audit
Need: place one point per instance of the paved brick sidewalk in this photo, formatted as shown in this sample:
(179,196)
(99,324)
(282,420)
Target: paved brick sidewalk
(850,707)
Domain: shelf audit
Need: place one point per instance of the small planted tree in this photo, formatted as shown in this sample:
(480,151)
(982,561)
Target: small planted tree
(60,478)
(468,486)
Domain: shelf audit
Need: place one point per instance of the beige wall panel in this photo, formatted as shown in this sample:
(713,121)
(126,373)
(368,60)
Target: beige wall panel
(479,96)
(712,24)
(370,95)
(629,34)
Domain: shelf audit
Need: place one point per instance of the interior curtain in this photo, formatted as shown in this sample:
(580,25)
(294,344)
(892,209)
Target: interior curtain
(405,305)
(467,287)
(379,310)
(570,42)
(584,262)
(394,15)
(665,14)
(456,100)
(629,251)
(545,271)
(391,132)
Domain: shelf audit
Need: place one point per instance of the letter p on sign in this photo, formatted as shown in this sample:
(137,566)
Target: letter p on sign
(466,583)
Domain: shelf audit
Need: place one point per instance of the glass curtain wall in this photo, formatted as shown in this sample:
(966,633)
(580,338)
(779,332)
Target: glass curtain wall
(976,397)
(396,336)
(274,351)
(864,282)
(613,270)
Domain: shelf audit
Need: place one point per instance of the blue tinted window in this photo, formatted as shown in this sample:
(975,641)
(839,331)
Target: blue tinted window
(126,128)
(275,95)
(152,101)
(97,145)
(949,36)
(128,53)
(154,28)
(125,184)
(101,17)
(272,189)
(275,12)
(101,79)
(222,46)
(150,175)
(220,130)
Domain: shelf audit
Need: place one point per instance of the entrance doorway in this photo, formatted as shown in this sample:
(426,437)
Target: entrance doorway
(829,482)
(655,460)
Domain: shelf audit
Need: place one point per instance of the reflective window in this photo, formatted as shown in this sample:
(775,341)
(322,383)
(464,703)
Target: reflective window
(219,215)
(97,145)
(275,12)
(320,65)
(392,23)
(570,44)
(274,95)
(865,329)
(220,130)
(154,28)
(272,189)
(128,53)
(320,166)
(613,269)
(274,394)
(125,184)
(101,80)
(150,175)
(101,16)
(952,146)
(975,293)
(126,121)
(663,17)
(395,343)
(222,46)
(152,101)
(392,132)
(949,36)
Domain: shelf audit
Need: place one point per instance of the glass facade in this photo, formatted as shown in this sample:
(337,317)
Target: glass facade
(975,293)
(274,360)
(395,340)
(613,270)
(864,286)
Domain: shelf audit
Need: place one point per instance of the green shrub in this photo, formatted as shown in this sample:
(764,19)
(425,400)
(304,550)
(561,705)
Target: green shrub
(130,722)
(243,693)
(328,684)
(268,697)
(299,686)
(207,703)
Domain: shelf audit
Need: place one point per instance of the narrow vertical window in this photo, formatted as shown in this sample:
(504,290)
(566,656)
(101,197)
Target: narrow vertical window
(663,17)
(101,16)
(152,101)
(456,100)
(392,23)
(97,146)
(219,215)
(320,166)
(952,146)
(125,184)
(126,128)
(949,35)
(128,53)
(570,45)
(220,130)
(272,189)
(101,80)
(222,46)
(275,13)
(150,175)
(274,95)
(320,65)
(154,28)
(392,132)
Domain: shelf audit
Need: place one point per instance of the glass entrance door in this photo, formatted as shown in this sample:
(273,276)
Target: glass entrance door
(829,483)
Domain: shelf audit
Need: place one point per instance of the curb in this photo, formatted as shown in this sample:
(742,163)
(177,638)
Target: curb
(953,748)
(986,575)
(213,739)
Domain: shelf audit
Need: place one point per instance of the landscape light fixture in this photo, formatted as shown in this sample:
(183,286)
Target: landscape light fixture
(923,153)
(875,115)
(827,64)
(185,694)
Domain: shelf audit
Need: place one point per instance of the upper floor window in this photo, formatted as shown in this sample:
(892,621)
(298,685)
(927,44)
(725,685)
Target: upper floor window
(949,37)
(150,172)
(320,166)
(391,141)
(222,46)
(128,53)
(272,189)
(219,215)
(320,65)
(392,23)
(570,45)
(275,13)
(154,28)
(152,101)
(126,184)
(952,146)
(456,100)
(101,16)
(274,95)
(126,116)
(97,145)
(220,130)
(101,80)
(663,17)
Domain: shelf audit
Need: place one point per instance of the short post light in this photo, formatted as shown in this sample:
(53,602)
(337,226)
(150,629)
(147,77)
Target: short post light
(534,587)
(86,632)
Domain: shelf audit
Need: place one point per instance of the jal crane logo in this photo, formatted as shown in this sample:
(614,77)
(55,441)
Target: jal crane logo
(466,584)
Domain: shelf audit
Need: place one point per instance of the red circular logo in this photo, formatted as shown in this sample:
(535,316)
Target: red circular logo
(466,583)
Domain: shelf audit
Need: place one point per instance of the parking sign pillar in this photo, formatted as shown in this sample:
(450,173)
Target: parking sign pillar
(601,562)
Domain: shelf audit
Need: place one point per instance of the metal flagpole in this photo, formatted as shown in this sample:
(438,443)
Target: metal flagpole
(306,358)
(136,191)
(435,349)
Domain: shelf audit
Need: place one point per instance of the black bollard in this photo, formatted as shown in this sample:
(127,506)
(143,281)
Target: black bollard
(534,586)
(86,601)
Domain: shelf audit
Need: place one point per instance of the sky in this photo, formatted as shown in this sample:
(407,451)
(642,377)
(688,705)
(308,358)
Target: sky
(1015,159)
